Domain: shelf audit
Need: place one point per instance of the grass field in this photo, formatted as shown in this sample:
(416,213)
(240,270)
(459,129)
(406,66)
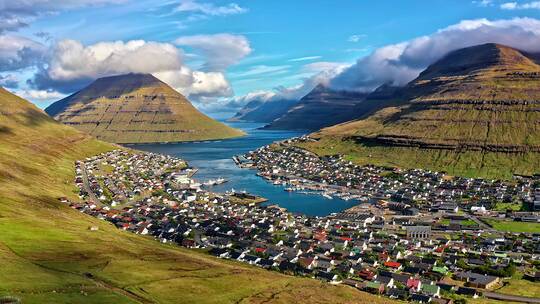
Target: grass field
(48,254)
(512,226)
(500,206)
(517,286)
(468,164)
(464,222)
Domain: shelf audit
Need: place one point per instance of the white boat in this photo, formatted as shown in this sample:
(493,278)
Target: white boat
(326,196)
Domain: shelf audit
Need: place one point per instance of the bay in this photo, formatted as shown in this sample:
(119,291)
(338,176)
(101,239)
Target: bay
(213,159)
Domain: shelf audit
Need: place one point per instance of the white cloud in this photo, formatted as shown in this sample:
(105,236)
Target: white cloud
(266,70)
(322,66)
(356,38)
(210,9)
(71,65)
(9,81)
(15,14)
(307,58)
(220,50)
(520,6)
(484,3)
(18,52)
(321,73)
(40,95)
(400,63)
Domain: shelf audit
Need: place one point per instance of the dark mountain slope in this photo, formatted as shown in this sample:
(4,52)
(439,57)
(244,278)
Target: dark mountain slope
(264,111)
(320,108)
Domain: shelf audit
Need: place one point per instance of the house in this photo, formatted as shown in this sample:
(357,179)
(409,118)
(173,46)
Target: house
(386,281)
(473,279)
(440,269)
(326,276)
(414,284)
(366,274)
(393,265)
(430,290)
(394,293)
(373,287)
(420,298)
(418,232)
(466,291)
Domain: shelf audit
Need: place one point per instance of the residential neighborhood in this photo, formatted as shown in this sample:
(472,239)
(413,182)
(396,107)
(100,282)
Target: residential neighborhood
(405,191)
(434,254)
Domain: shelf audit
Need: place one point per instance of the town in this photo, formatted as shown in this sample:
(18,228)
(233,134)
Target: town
(409,237)
(407,192)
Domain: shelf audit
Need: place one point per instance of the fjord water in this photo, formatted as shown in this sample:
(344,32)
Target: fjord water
(214,160)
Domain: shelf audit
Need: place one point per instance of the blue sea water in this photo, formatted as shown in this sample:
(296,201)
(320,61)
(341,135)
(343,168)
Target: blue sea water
(214,160)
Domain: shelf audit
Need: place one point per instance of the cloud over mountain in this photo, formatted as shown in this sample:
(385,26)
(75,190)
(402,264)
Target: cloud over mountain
(70,65)
(323,73)
(399,63)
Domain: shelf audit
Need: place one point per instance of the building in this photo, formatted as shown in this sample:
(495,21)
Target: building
(477,280)
(418,232)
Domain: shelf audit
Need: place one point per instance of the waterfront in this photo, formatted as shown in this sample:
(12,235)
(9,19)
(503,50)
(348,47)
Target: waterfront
(214,160)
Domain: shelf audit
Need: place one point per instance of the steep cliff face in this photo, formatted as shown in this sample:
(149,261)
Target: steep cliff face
(322,107)
(481,99)
(136,108)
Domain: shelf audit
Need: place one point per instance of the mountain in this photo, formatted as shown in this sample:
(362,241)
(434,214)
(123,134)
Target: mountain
(264,111)
(136,108)
(474,112)
(320,108)
(49,254)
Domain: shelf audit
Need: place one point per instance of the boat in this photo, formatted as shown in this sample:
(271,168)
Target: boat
(326,196)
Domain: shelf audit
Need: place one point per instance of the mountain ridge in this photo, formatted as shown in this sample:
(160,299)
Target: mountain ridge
(477,101)
(263,111)
(320,108)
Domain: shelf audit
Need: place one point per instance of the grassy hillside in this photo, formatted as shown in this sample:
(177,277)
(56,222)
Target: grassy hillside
(137,108)
(48,254)
(475,112)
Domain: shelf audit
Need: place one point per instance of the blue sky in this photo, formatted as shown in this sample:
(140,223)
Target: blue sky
(287,41)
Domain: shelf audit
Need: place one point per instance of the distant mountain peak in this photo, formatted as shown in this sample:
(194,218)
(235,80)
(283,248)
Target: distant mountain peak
(478,57)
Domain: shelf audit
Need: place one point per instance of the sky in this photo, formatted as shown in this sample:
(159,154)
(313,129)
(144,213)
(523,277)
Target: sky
(222,54)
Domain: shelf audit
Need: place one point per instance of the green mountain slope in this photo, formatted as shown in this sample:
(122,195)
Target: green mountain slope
(474,112)
(136,108)
(48,254)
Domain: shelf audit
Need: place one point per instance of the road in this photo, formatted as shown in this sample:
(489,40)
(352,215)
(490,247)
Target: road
(86,185)
(505,297)
(481,224)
